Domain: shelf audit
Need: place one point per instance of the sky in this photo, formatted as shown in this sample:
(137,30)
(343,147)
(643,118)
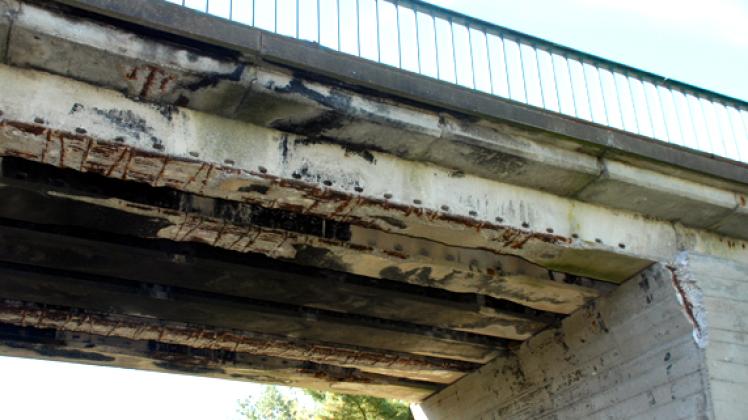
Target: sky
(704,43)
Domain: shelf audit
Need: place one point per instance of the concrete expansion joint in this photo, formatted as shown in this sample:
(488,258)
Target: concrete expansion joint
(602,172)
(691,297)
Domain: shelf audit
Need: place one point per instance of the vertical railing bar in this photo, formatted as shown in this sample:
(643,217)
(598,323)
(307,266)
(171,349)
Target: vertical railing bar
(741,118)
(662,108)
(602,95)
(719,129)
(436,48)
(275,16)
(490,67)
(319,23)
(418,39)
(555,81)
(633,103)
(587,90)
(742,121)
(703,117)
(337,11)
(254,11)
(454,51)
(379,49)
(506,67)
(618,98)
(524,73)
(297,19)
(571,85)
(677,116)
(540,77)
(745,132)
(691,118)
(732,130)
(399,36)
(650,111)
(472,60)
(231,9)
(358,28)
(207,6)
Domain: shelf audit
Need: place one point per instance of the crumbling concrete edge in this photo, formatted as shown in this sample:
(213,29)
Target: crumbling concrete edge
(691,297)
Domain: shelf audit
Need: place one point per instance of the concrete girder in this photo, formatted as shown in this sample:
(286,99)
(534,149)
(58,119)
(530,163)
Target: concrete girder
(226,364)
(135,328)
(273,97)
(100,131)
(340,247)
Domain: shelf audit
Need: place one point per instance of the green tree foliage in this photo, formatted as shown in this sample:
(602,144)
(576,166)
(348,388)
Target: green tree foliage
(333,406)
(272,404)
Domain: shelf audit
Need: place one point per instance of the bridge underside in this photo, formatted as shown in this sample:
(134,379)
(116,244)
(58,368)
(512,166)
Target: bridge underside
(175,208)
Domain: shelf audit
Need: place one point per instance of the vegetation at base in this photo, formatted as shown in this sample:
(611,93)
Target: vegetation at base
(277,403)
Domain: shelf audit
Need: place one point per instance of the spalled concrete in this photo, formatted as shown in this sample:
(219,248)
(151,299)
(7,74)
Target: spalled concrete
(384,194)
(96,130)
(324,111)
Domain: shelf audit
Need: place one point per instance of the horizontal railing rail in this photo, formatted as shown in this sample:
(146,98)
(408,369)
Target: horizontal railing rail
(419,37)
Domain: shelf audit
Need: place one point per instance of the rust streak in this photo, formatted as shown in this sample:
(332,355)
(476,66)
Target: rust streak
(161,172)
(116,163)
(84,158)
(62,150)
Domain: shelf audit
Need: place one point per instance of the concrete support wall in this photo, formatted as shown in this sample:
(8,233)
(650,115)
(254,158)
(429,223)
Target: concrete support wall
(721,292)
(633,354)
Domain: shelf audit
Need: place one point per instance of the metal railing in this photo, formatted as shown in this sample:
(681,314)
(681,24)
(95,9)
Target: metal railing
(432,41)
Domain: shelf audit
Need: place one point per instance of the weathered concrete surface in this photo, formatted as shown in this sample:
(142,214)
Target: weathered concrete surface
(245,228)
(274,97)
(170,358)
(96,130)
(140,329)
(354,71)
(481,196)
(717,292)
(8,11)
(630,355)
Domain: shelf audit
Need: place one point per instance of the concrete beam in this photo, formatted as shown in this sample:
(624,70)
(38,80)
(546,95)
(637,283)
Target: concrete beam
(96,130)
(354,71)
(299,238)
(32,342)
(268,280)
(138,328)
(274,97)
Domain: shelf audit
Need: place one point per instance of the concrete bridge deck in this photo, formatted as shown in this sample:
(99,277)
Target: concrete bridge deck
(182,193)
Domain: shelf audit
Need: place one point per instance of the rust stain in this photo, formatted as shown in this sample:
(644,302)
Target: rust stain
(133,74)
(148,81)
(195,336)
(150,168)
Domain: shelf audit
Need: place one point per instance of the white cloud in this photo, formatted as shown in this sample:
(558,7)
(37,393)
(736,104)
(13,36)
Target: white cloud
(725,20)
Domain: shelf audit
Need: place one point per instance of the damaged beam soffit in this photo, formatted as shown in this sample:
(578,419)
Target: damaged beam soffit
(60,287)
(235,226)
(393,364)
(226,364)
(164,72)
(265,279)
(95,130)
